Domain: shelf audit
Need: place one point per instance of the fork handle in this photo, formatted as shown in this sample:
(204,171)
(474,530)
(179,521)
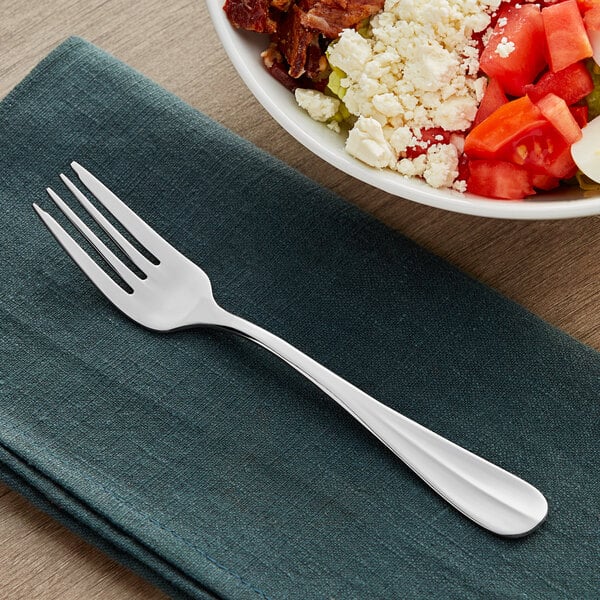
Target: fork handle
(492,497)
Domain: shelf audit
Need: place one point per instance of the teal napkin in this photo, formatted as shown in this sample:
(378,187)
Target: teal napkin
(208,465)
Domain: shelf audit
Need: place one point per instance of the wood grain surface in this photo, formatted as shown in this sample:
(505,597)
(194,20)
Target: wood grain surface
(550,267)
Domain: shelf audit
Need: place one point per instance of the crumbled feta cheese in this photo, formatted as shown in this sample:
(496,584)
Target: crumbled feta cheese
(471,60)
(418,68)
(460,185)
(485,38)
(319,106)
(367,143)
(334,126)
(352,52)
(505,47)
(387,104)
(401,139)
(412,168)
(455,113)
(442,165)
(480,86)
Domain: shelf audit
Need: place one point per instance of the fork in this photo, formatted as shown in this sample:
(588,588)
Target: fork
(174,293)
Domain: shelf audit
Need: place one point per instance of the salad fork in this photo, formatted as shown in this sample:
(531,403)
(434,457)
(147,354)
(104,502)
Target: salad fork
(171,293)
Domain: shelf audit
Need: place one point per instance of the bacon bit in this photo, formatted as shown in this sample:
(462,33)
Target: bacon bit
(279,71)
(252,15)
(316,63)
(331,17)
(271,55)
(282,5)
(293,41)
(297,28)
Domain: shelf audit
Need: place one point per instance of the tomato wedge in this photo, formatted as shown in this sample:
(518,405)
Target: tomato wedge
(542,150)
(511,121)
(518,133)
(555,109)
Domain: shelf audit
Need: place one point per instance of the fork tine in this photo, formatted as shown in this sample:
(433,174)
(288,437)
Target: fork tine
(137,227)
(116,294)
(136,257)
(130,278)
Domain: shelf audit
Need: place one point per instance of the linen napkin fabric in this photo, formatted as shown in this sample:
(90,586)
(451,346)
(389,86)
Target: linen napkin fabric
(208,465)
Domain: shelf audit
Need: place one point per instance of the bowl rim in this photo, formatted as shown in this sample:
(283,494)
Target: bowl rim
(251,72)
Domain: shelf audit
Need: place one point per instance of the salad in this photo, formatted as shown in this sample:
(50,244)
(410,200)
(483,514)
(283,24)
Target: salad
(484,96)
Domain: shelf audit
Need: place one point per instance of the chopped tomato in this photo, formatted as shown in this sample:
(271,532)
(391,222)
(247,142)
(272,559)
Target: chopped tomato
(580,112)
(591,19)
(555,109)
(499,179)
(516,51)
(585,5)
(463,168)
(566,37)
(541,150)
(572,84)
(493,98)
(544,182)
(518,132)
(511,121)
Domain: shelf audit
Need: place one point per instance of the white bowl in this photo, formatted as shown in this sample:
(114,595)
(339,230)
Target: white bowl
(244,48)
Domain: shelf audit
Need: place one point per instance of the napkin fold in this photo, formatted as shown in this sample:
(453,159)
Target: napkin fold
(208,465)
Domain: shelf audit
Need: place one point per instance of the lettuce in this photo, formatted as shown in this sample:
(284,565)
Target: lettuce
(334,85)
(593,99)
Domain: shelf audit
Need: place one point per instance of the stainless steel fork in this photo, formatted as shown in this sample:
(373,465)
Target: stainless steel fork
(174,293)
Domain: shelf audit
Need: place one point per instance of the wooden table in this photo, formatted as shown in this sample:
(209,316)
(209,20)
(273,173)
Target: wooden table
(550,267)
